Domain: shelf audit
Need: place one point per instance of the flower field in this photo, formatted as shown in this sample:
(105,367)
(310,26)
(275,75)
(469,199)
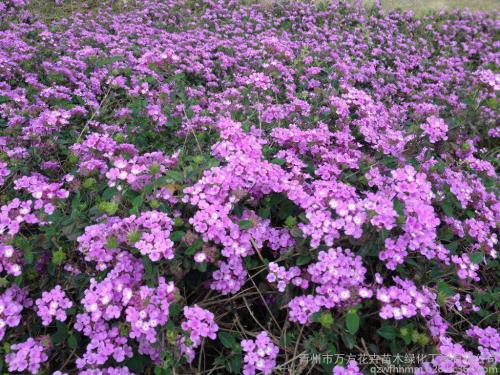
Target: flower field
(231,187)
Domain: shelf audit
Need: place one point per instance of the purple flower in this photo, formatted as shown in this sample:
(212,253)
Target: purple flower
(53,305)
(260,355)
(27,356)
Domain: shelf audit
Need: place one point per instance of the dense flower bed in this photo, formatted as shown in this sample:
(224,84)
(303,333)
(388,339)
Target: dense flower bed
(216,187)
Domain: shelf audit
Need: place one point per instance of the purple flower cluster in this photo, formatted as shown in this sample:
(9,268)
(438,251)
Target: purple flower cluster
(12,302)
(27,356)
(452,359)
(339,279)
(154,229)
(351,369)
(199,323)
(489,342)
(230,276)
(260,355)
(405,300)
(40,189)
(53,305)
(4,172)
(121,295)
(120,163)
(283,277)
(10,260)
(466,268)
(414,191)
(149,233)
(466,305)
(105,371)
(221,188)
(435,128)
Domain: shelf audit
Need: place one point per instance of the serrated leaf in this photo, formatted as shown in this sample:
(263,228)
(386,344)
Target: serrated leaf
(278,161)
(174,309)
(136,363)
(398,206)
(61,334)
(245,224)
(447,208)
(202,267)
(109,193)
(388,332)
(193,248)
(326,320)
(476,257)
(72,342)
(136,204)
(445,288)
(177,235)
(228,340)
(303,260)
(352,322)
(264,212)
(173,176)
(290,221)
(234,365)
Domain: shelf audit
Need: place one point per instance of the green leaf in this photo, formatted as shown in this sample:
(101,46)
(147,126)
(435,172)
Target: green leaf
(174,176)
(234,365)
(398,206)
(348,340)
(177,235)
(406,334)
(352,322)
(444,288)
(28,255)
(148,268)
(174,309)
(136,363)
(445,234)
(245,224)
(387,332)
(72,342)
(278,161)
(326,320)
(61,334)
(196,246)
(162,371)
(228,340)
(136,204)
(296,233)
(251,262)
(290,221)
(264,212)
(58,257)
(447,208)
(303,260)
(452,246)
(477,257)
(202,267)
(109,193)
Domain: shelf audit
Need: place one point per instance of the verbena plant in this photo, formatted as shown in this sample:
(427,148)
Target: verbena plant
(221,187)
